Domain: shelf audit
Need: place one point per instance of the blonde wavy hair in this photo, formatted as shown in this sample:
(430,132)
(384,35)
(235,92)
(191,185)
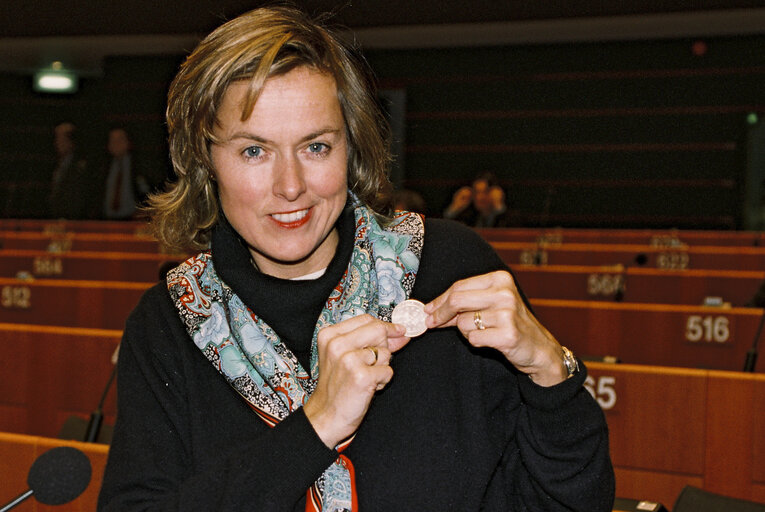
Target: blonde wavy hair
(255,46)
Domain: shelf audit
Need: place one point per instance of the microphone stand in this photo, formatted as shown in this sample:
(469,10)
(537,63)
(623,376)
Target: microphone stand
(17,500)
(751,355)
(97,416)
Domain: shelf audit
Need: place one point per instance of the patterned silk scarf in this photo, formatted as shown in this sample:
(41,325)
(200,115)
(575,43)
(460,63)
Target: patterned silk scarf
(252,358)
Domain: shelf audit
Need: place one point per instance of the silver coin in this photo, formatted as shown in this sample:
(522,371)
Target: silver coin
(410,314)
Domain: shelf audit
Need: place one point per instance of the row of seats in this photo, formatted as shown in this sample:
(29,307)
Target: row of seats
(652,237)
(62,242)
(673,335)
(669,427)
(573,282)
(627,255)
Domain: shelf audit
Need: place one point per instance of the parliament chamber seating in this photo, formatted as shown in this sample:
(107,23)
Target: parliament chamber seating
(678,410)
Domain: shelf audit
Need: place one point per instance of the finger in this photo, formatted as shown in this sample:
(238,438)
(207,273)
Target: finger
(374,371)
(350,324)
(375,356)
(397,343)
(382,376)
(475,293)
(444,313)
(361,331)
(367,353)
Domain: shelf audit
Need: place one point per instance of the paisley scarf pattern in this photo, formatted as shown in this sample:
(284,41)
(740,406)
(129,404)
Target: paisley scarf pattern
(253,359)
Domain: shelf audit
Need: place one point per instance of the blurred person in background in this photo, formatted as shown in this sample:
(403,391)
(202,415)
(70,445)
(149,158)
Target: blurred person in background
(125,186)
(481,205)
(69,182)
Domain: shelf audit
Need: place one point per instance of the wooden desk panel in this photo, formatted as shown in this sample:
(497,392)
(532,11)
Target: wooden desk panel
(672,427)
(654,237)
(96,304)
(49,373)
(758,425)
(110,242)
(91,265)
(693,257)
(737,434)
(656,334)
(58,226)
(18,453)
(643,285)
(637,403)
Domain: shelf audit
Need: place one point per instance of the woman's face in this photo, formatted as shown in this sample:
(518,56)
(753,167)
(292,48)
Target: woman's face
(281,173)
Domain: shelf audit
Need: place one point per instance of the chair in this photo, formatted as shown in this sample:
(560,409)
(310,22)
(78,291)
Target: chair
(693,499)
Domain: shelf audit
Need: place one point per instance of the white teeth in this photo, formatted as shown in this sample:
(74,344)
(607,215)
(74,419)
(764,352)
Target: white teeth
(286,218)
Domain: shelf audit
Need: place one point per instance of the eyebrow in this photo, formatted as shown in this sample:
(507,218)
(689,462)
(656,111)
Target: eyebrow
(257,138)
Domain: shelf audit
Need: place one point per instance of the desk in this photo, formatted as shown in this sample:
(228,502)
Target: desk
(658,334)
(85,265)
(96,304)
(671,427)
(50,373)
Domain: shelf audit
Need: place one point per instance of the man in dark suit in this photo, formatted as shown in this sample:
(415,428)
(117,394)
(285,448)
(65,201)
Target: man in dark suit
(125,186)
(67,198)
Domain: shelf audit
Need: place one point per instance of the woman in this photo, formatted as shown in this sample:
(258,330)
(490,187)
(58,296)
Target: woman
(233,396)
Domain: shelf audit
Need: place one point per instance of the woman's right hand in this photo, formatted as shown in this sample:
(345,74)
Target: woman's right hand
(350,373)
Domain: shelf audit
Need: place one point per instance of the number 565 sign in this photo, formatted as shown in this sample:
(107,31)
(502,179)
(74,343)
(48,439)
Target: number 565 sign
(602,390)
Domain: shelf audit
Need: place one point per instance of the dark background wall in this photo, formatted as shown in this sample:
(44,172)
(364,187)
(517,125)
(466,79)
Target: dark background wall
(648,133)
(632,134)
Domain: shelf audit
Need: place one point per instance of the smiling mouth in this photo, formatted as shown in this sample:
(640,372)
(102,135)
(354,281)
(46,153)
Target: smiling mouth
(292,219)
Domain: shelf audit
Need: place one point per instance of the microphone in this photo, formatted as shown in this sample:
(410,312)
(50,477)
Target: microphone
(97,416)
(751,354)
(56,477)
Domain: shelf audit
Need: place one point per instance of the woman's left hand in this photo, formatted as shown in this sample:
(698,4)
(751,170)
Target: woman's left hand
(489,312)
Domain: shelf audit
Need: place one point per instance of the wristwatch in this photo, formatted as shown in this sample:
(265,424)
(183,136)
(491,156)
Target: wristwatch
(570,362)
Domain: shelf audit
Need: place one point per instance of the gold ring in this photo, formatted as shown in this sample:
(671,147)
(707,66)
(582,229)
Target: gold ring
(374,352)
(477,321)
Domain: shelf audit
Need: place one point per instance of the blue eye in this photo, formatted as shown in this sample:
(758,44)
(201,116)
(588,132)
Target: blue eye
(253,152)
(317,147)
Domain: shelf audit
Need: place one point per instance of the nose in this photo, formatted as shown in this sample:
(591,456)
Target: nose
(289,182)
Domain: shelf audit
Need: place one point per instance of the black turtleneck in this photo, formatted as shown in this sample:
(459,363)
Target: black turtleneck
(293,306)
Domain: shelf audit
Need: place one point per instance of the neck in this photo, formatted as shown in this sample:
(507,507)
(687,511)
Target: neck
(318,260)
